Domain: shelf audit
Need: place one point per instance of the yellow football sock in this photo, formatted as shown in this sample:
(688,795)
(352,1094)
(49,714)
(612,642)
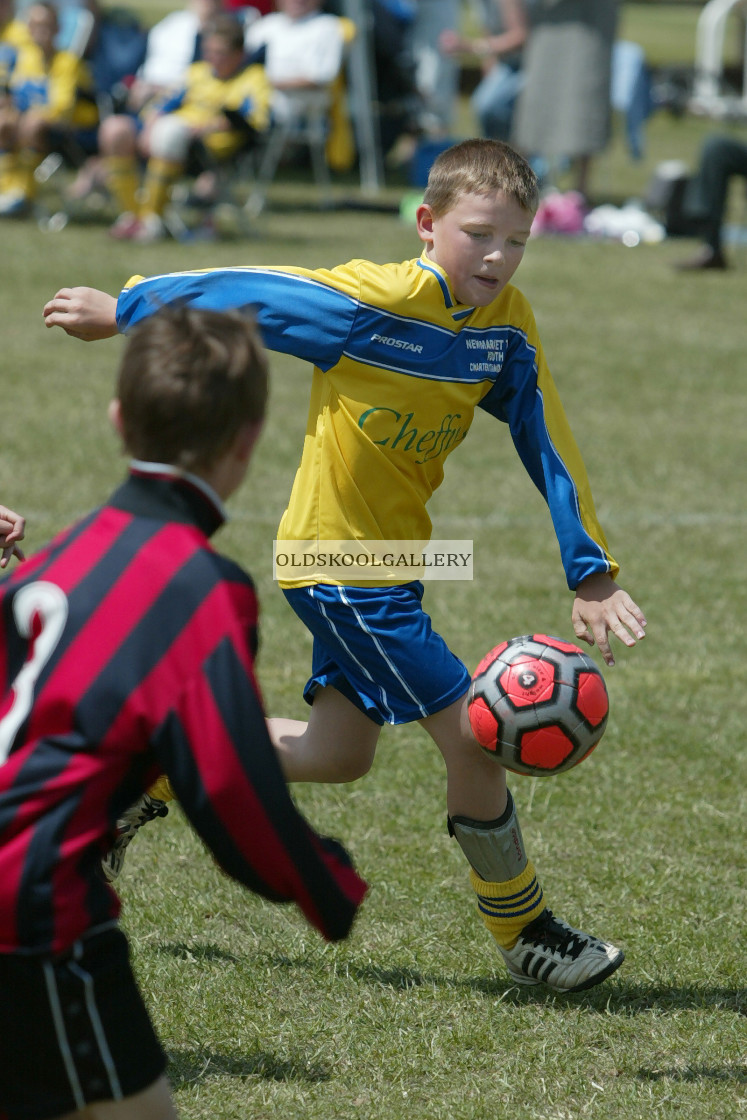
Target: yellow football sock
(8,165)
(28,161)
(506,908)
(160,175)
(162,790)
(122,180)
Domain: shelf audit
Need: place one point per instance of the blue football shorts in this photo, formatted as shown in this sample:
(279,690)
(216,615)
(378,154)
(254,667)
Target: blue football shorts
(377,647)
(77,1030)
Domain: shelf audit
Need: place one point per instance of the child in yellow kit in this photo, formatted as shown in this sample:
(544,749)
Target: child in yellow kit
(222,105)
(403,354)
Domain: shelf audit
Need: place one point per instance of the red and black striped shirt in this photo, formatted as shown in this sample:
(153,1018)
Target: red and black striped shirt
(127,650)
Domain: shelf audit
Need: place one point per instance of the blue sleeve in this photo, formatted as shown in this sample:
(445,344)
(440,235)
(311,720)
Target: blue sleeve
(525,398)
(296,312)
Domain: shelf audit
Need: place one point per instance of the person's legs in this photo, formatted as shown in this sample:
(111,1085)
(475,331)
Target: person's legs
(337,744)
(494,99)
(375,652)
(118,148)
(536,947)
(706,195)
(154,1103)
(82,1043)
(32,147)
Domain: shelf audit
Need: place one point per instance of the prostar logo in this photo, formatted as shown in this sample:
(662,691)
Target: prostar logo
(397,343)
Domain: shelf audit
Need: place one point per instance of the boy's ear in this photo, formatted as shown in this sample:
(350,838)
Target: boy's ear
(424,222)
(115,417)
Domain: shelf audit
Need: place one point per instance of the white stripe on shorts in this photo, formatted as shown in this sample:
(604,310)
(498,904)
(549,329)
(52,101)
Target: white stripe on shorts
(62,1041)
(383,654)
(115,1088)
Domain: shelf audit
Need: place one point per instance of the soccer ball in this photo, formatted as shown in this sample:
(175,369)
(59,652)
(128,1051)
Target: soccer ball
(538,705)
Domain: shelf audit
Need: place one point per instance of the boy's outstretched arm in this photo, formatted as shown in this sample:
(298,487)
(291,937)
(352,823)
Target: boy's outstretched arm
(12,529)
(85,313)
(601,608)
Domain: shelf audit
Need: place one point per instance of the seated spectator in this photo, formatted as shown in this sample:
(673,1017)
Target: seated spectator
(721,158)
(174,43)
(499,50)
(147,65)
(222,106)
(115,52)
(50,97)
(13,34)
(301,47)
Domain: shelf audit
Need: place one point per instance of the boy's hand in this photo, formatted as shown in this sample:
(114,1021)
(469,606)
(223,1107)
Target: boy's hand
(601,607)
(12,529)
(83,313)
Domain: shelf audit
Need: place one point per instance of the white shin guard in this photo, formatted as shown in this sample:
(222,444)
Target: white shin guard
(494,849)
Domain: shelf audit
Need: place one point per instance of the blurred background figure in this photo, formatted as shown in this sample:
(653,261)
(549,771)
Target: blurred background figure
(174,43)
(221,108)
(49,98)
(564,114)
(302,49)
(704,202)
(436,73)
(499,50)
(13,34)
(399,104)
(132,67)
(300,46)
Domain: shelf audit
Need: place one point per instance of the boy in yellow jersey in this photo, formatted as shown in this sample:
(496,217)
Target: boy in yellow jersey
(50,101)
(403,354)
(224,103)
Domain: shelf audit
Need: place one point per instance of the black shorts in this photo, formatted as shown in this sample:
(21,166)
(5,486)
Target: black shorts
(75,1030)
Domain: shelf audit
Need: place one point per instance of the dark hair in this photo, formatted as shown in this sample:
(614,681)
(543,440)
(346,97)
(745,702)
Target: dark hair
(480,167)
(227,27)
(188,381)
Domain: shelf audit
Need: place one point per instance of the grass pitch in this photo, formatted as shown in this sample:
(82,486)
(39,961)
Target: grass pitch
(413,1016)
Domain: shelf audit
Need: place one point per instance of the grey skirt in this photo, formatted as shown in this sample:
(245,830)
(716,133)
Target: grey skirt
(564,108)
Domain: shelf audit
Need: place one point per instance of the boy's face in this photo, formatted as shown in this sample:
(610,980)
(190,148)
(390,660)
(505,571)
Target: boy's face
(42,26)
(223,59)
(479,243)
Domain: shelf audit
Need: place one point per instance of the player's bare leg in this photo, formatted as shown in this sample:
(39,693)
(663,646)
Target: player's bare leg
(154,1103)
(536,947)
(337,744)
(475,784)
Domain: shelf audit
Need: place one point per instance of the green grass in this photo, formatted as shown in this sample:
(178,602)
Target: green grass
(412,1018)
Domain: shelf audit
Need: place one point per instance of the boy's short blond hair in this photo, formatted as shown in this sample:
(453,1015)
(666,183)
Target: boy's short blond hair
(188,381)
(480,167)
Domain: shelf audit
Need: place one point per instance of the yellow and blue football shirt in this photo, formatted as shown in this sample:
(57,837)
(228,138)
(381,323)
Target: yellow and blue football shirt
(399,367)
(13,36)
(205,96)
(61,90)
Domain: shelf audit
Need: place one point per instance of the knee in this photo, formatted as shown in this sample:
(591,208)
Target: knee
(117,137)
(351,765)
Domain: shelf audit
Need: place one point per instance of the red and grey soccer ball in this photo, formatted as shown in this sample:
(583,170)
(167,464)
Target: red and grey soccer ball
(538,705)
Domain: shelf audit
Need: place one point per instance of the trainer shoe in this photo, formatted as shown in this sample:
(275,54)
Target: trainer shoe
(144,810)
(128,227)
(551,952)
